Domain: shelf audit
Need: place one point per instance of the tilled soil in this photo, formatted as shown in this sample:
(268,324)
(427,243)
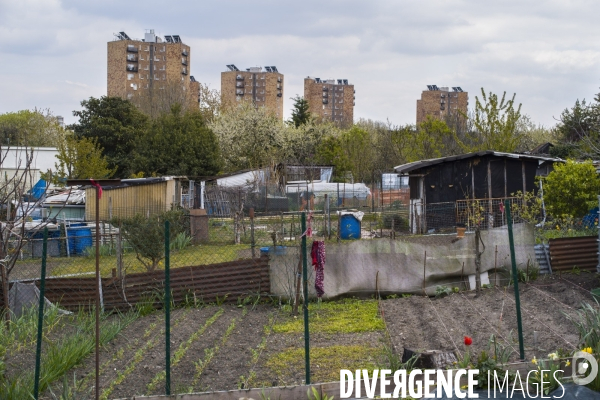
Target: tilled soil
(421,323)
(132,360)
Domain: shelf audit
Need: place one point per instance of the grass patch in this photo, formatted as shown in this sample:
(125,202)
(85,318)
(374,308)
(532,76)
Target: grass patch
(191,255)
(65,353)
(344,316)
(325,362)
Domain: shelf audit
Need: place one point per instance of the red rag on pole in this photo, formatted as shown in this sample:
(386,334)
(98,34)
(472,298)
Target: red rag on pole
(93,182)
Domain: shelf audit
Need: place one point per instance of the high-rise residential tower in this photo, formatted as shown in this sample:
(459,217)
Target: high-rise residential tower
(264,88)
(136,66)
(330,99)
(439,102)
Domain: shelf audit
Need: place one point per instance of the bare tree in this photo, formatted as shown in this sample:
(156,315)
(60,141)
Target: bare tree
(19,177)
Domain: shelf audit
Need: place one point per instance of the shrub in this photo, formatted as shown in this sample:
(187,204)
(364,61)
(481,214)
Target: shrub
(400,223)
(146,235)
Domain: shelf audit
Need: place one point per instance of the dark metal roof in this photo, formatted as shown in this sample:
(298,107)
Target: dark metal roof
(406,168)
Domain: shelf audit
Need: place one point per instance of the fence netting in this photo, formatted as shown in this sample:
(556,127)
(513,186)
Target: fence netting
(211,269)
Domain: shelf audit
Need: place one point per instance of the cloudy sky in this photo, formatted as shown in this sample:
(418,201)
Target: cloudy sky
(53,53)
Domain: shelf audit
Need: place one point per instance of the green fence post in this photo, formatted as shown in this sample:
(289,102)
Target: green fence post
(167,308)
(511,242)
(38,351)
(305,303)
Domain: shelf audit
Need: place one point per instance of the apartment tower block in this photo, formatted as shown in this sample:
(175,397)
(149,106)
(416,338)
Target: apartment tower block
(329,99)
(439,102)
(264,88)
(138,65)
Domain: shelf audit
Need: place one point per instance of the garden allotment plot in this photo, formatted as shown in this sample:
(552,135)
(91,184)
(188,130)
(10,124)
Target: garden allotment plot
(231,346)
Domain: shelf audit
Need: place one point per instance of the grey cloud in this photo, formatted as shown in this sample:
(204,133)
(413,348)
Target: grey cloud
(546,53)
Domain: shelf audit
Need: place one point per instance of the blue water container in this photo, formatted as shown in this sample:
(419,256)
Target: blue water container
(349,227)
(80,238)
(279,250)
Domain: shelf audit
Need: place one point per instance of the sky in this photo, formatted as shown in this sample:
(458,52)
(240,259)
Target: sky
(53,53)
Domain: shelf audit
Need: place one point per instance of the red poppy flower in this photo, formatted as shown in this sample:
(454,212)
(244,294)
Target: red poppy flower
(468,341)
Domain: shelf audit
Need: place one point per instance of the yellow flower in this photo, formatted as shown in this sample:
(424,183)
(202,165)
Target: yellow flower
(464,386)
(553,356)
(534,361)
(587,350)
(567,363)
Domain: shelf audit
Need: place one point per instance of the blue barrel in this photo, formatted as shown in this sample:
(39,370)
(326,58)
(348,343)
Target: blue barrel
(80,238)
(279,250)
(349,227)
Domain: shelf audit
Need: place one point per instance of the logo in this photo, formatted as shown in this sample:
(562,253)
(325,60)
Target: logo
(580,369)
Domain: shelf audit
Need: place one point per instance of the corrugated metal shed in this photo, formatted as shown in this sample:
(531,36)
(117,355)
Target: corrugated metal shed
(406,168)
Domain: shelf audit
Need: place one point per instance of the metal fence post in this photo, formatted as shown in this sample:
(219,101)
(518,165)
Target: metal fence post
(252,242)
(167,308)
(305,303)
(38,351)
(515,278)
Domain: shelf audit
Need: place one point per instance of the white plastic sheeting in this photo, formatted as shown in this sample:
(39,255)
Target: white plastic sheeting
(76,196)
(333,190)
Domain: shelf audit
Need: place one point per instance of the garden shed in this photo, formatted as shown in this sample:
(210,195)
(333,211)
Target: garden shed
(134,196)
(442,183)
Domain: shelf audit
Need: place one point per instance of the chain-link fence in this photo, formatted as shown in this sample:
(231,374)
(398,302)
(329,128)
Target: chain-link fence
(190,265)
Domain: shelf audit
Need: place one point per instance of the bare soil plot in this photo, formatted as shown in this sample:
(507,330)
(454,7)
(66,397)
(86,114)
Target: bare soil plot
(421,323)
(228,347)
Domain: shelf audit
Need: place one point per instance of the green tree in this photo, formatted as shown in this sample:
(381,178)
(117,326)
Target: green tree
(428,142)
(116,125)
(301,143)
(300,113)
(494,123)
(330,152)
(579,129)
(81,159)
(178,143)
(356,144)
(37,128)
(571,189)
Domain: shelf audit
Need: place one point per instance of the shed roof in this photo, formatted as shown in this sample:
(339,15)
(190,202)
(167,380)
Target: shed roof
(406,168)
(142,181)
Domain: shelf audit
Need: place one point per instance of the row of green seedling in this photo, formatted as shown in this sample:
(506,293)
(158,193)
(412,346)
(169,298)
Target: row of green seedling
(137,357)
(209,355)
(182,350)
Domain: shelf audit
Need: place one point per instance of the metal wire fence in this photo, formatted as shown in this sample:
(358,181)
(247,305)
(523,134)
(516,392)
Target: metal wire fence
(179,261)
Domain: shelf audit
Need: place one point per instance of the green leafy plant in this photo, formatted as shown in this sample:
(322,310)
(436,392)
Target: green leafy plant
(442,291)
(181,241)
(571,189)
(393,360)
(313,394)
(549,373)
